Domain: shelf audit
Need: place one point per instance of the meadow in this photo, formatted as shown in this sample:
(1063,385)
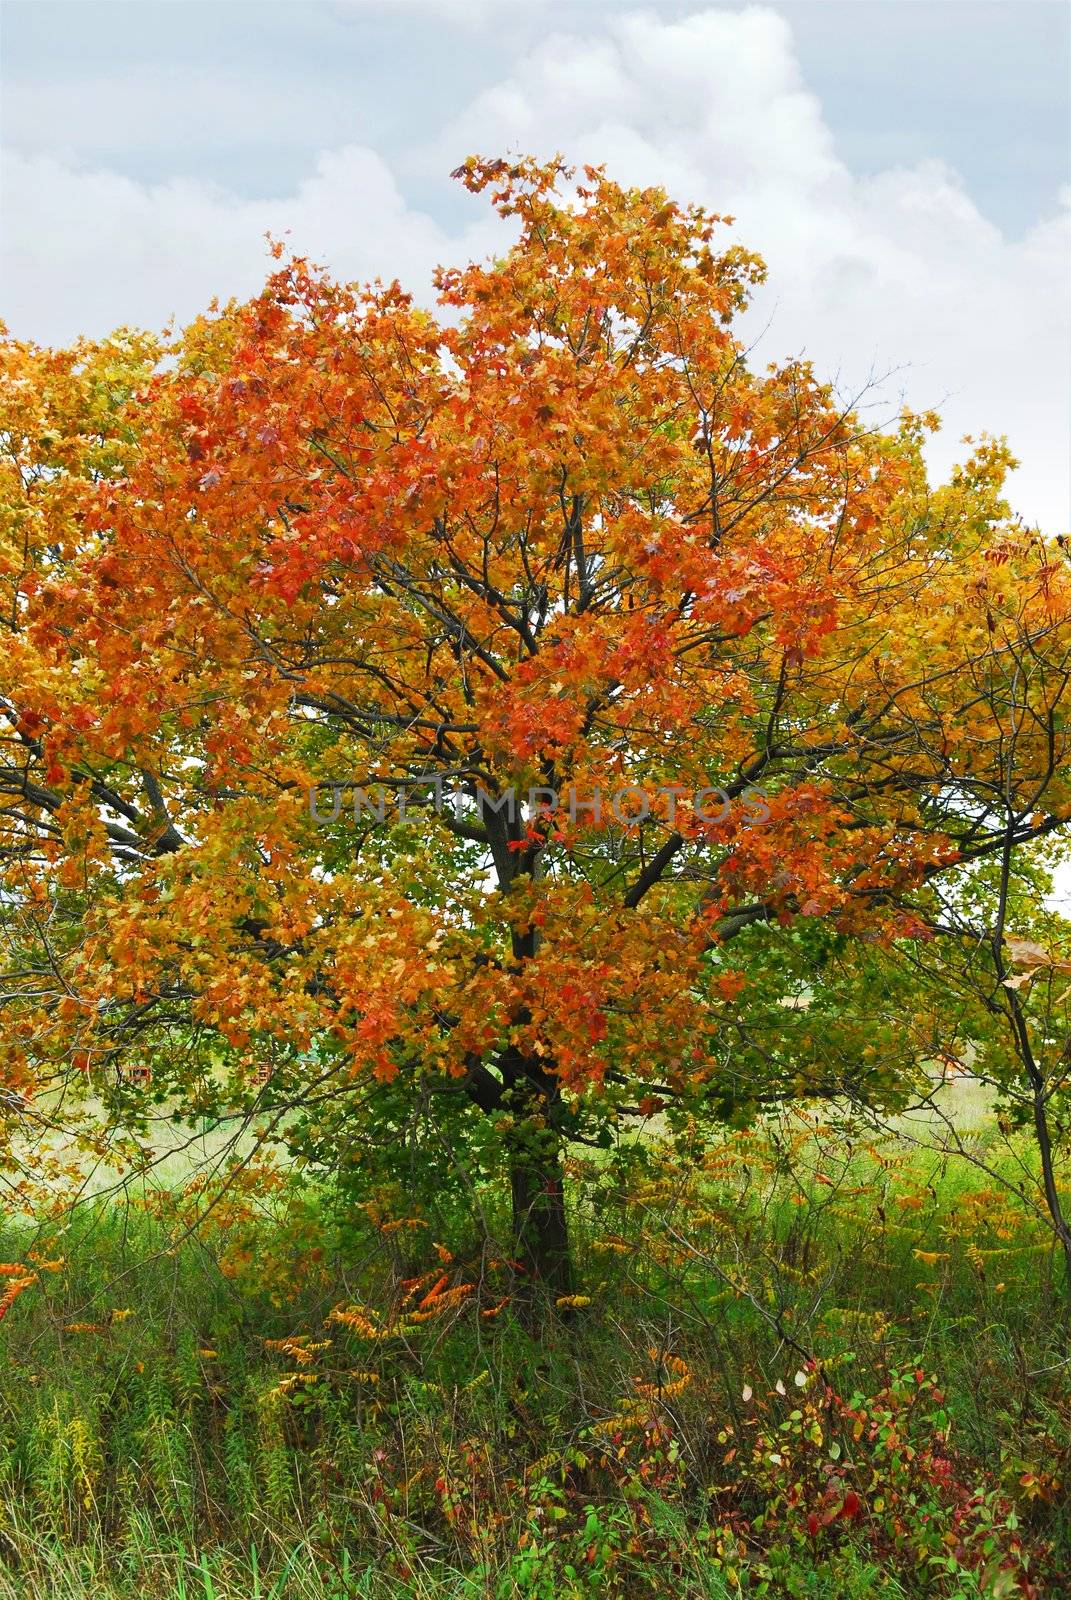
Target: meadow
(808,1358)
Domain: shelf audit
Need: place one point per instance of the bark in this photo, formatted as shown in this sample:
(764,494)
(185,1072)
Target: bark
(1024,1045)
(531,1093)
(540,1222)
(1052,1193)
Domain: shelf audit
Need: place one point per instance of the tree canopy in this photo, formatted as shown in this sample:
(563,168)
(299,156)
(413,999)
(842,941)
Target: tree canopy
(636,648)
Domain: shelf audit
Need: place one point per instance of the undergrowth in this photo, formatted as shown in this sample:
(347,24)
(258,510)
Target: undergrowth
(800,1365)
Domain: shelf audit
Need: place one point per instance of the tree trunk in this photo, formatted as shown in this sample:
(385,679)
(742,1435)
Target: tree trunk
(1052,1193)
(540,1224)
(1039,1094)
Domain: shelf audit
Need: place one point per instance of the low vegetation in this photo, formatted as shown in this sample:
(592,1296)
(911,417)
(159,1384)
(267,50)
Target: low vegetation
(805,1361)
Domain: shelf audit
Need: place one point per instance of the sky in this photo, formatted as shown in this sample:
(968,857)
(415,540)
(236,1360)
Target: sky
(903,165)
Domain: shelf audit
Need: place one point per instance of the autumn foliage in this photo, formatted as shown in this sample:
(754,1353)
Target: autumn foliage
(559,534)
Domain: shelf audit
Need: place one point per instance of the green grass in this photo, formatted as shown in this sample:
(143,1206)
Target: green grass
(156,1440)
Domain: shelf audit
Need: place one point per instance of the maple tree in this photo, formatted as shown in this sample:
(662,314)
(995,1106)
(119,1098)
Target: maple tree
(560,537)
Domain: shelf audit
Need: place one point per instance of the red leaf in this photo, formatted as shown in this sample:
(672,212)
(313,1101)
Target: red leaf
(852,1506)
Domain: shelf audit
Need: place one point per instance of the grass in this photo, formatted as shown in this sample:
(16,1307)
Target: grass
(183,1414)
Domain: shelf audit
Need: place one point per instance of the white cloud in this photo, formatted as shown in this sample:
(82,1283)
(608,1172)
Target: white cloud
(898,271)
(893,271)
(90,249)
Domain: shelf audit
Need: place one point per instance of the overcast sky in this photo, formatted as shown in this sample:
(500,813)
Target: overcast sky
(903,166)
